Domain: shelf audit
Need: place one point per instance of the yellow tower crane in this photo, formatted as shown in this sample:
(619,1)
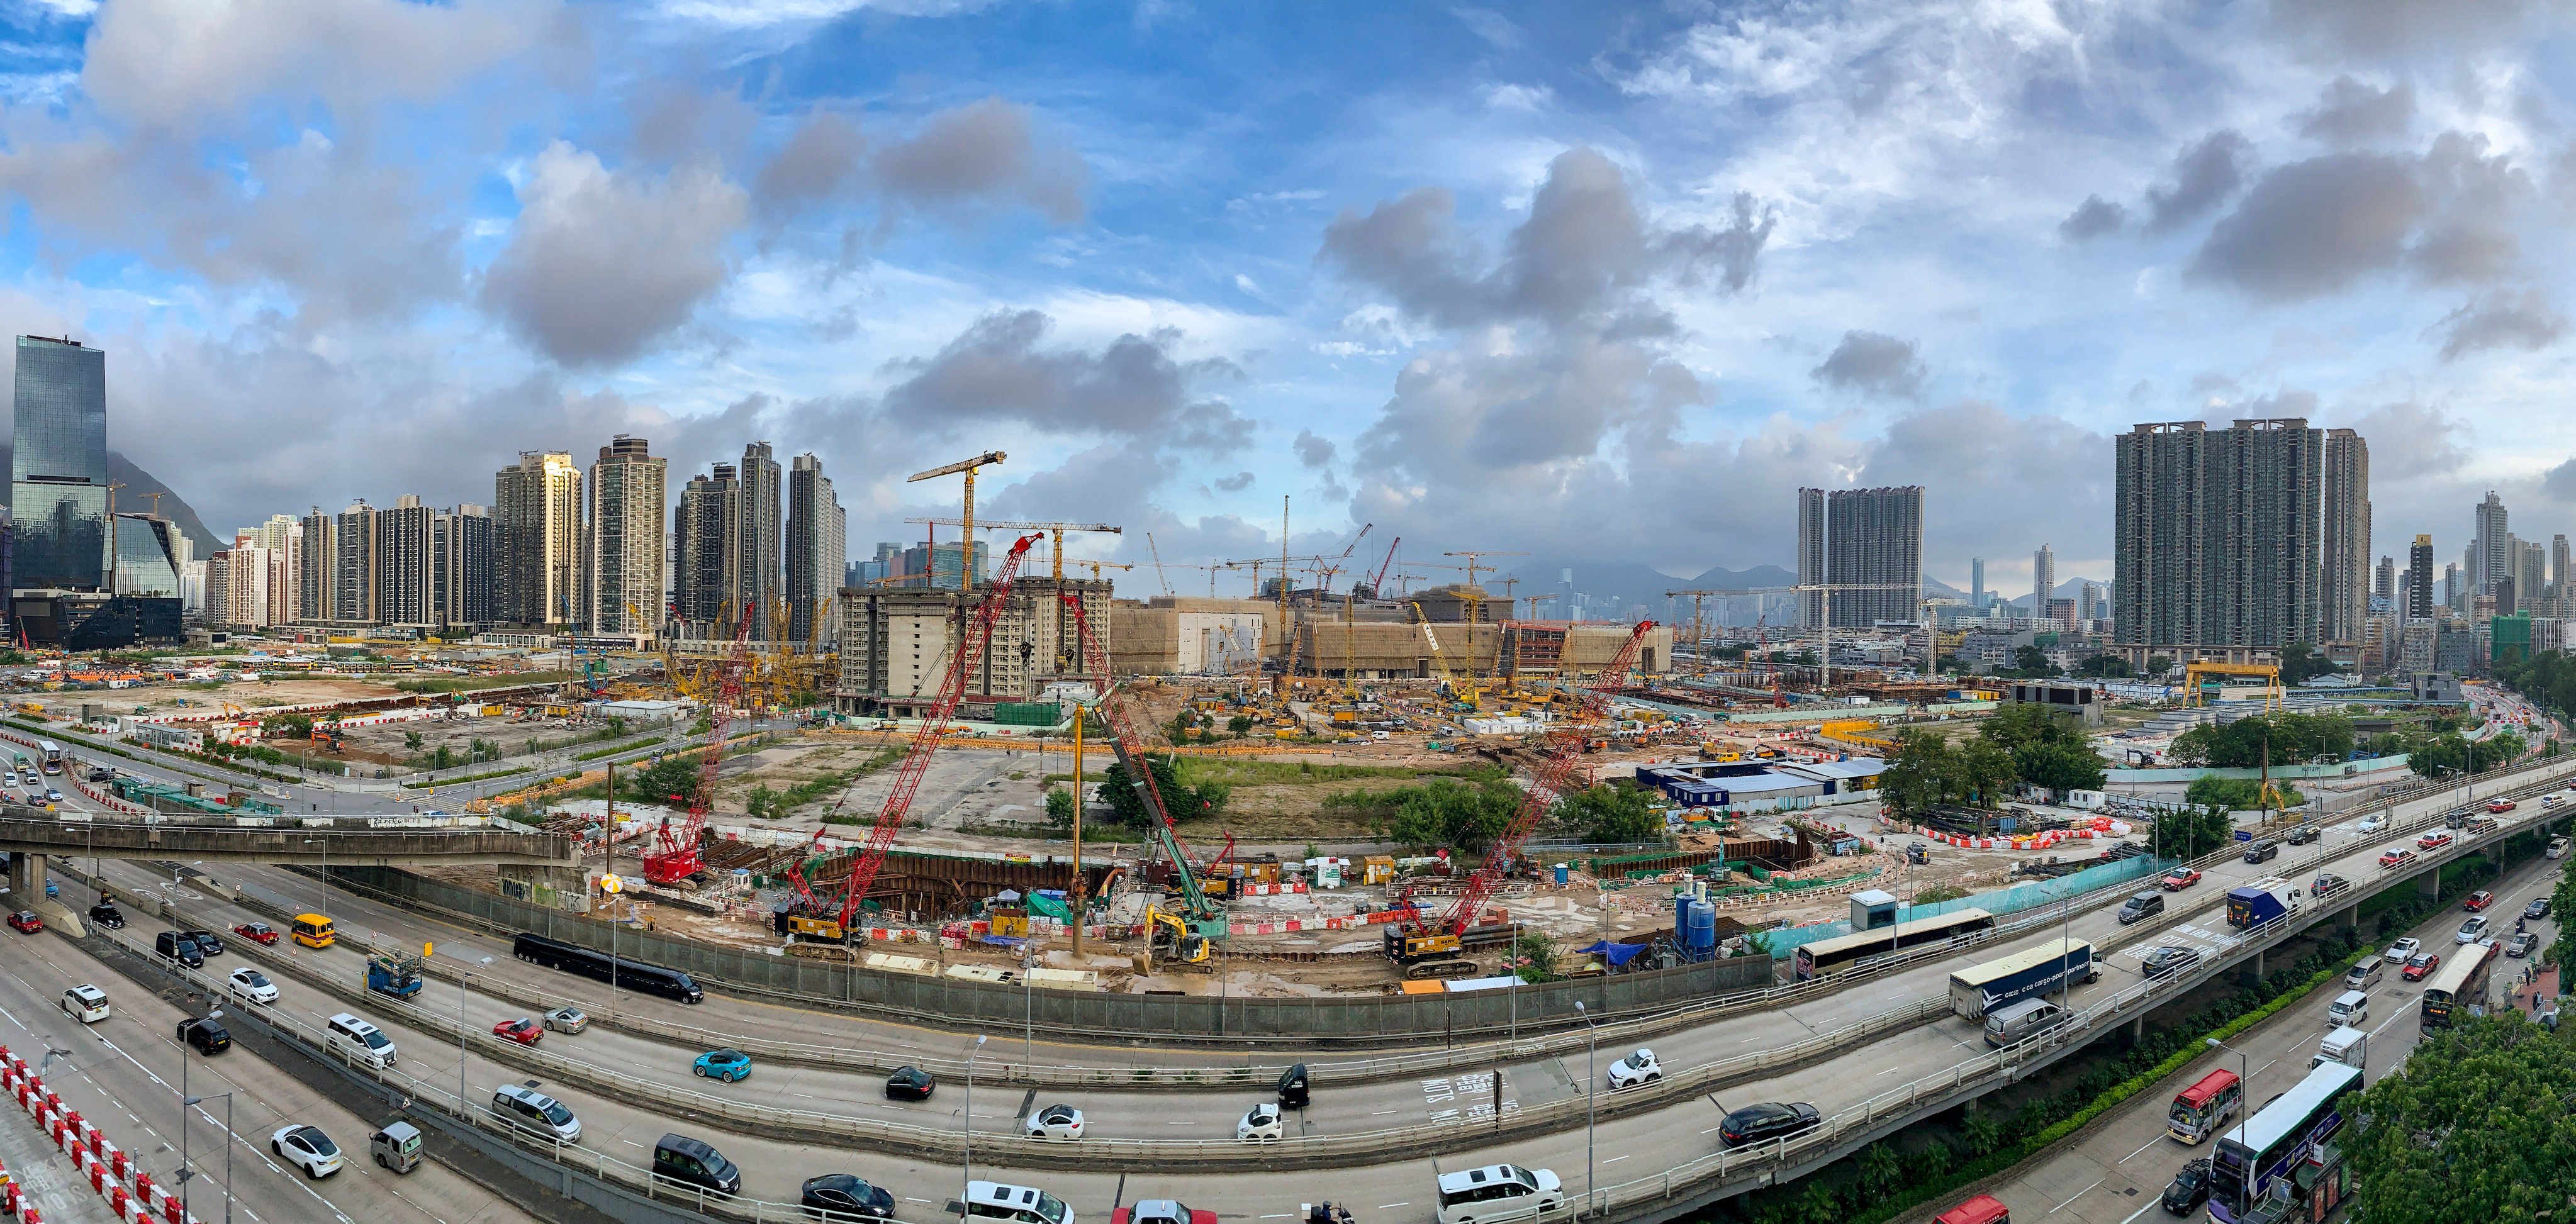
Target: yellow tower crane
(966,554)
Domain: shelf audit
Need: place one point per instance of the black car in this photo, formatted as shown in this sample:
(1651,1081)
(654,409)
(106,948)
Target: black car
(2163,961)
(208,943)
(692,1162)
(106,915)
(1765,1122)
(208,1036)
(2304,834)
(1296,1088)
(174,946)
(2328,885)
(843,1195)
(2262,850)
(2538,909)
(910,1084)
(2190,1188)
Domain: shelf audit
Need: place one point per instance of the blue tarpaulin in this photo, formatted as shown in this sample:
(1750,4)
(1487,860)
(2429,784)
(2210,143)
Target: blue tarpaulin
(1615,953)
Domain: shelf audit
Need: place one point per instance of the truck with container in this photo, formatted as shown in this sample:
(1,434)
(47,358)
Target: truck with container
(2346,1045)
(389,974)
(2055,963)
(2262,901)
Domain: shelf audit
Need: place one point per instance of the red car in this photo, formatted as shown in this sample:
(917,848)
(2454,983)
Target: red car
(522,1030)
(2178,879)
(2434,840)
(2421,966)
(26,922)
(2501,806)
(257,932)
(1161,1211)
(2478,900)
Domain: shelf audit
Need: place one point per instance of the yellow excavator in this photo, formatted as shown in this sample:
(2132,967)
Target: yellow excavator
(1172,939)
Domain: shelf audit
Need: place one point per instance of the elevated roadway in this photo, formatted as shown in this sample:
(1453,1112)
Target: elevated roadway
(347,842)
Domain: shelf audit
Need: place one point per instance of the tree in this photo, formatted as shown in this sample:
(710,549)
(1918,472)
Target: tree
(1534,957)
(672,780)
(286,726)
(412,740)
(1918,772)
(1611,814)
(2109,666)
(2562,902)
(1059,808)
(2060,767)
(1444,812)
(2474,1128)
(2301,661)
(762,803)
(1180,801)
(2032,663)
(2235,794)
(2188,833)
(1240,724)
(2158,665)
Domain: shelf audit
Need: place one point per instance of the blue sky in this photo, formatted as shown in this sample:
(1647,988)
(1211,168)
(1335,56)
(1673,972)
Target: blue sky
(1599,283)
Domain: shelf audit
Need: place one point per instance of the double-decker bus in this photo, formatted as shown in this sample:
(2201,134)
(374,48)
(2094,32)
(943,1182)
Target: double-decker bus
(2459,987)
(2258,1161)
(53,754)
(2200,1110)
(1827,957)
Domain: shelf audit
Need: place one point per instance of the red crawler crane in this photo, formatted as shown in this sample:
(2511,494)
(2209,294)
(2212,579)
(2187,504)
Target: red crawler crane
(676,859)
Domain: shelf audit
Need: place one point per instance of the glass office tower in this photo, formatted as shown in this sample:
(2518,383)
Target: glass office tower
(58,471)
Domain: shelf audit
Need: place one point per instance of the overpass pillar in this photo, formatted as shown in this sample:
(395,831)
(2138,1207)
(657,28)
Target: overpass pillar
(2495,855)
(26,878)
(561,887)
(2429,885)
(2348,919)
(2250,972)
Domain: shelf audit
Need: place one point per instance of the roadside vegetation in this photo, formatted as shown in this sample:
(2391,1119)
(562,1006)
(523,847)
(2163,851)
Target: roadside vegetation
(2015,745)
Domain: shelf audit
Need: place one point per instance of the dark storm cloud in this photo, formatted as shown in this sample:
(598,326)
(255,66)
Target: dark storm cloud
(2353,113)
(2206,174)
(2523,320)
(2314,227)
(2094,218)
(1001,369)
(1873,364)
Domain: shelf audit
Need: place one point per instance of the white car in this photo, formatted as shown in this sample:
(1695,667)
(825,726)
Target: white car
(2373,823)
(1059,1122)
(85,1003)
(307,1148)
(250,986)
(2474,929)
(2399,951)
(1635,1069)
(1263,1124)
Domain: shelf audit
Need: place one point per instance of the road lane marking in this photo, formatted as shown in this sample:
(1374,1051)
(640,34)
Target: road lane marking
(1384,1206)
(2133,1216)
(2134,1155)
(2079,1194)
(1614,1159)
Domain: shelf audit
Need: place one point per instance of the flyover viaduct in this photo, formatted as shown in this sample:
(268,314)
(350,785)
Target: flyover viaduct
(29,835)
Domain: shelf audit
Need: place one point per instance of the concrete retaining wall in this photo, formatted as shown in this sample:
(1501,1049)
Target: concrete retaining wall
(1375,1019)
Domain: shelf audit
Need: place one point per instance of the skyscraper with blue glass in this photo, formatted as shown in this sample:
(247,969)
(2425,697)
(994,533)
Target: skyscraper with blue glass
(58,469)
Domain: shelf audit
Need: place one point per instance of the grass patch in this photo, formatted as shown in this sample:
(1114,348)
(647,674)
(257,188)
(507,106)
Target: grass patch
(770,804)
(467,684)
(628,746)
(1236,772)
(497,773)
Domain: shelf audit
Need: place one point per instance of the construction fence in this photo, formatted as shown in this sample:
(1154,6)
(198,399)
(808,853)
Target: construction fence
(2002,902)
(1370,1019)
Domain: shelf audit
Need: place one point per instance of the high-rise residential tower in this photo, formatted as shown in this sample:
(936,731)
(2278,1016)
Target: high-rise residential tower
(1869,540)
(536,513)
(406,592)
(2489,548)
(465,590)
(2043,581)
(2343,578)
(357,533)
(2419,580)
(754,574)
(2217,535)
(818,545)
(624,547)
(1977,584)
(58,494)
(2383,584)
(703,526)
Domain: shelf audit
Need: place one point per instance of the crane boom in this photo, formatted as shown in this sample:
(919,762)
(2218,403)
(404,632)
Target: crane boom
(1127,744)
(975,634)
(1377,585)
(1554,777)
(677,859)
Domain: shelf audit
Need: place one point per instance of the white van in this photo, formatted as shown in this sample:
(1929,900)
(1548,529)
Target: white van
(1498,1192)
(2352,1007)
(2557,847)
(1001,1203)
(359,1042)
(2021,1021)
(85,1003)
(2365,974)
(534,1110)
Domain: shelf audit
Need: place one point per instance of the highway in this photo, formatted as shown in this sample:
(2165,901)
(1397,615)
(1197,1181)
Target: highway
(2115,1171)
(124,1074)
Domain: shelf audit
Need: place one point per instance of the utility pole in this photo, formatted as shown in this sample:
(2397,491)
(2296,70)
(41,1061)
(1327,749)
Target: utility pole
(1080,902)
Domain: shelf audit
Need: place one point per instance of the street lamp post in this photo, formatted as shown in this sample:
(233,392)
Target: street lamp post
(964,1190)
(228,1146)
(2245,1084)
(326,867)
(1591,1091)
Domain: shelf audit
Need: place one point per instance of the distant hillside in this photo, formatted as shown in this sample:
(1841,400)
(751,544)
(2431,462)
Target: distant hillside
(1636,583)
(134,497)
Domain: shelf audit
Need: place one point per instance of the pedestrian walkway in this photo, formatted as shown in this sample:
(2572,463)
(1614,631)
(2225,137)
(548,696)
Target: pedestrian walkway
(2535,990)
